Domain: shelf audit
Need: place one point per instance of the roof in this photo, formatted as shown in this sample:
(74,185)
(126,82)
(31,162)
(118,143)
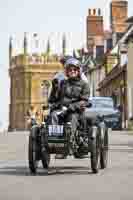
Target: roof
(122,40)
(130,20)
(113,74)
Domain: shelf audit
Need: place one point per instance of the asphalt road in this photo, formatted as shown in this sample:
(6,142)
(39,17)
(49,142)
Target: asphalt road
(69,179)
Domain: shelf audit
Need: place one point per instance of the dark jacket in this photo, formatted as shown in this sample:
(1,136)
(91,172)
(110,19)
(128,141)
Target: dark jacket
(70,93)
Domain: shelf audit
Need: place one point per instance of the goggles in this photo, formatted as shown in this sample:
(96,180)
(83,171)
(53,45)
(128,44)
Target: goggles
(73,70)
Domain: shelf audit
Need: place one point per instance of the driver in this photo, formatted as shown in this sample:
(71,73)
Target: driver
(71,95)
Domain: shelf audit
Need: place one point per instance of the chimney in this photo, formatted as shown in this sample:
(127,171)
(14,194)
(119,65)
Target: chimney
(118,16)
(94,11)
(99,12)
(94,25)
(89,11)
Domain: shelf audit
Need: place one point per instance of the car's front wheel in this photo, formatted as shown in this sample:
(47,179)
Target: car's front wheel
(32,155)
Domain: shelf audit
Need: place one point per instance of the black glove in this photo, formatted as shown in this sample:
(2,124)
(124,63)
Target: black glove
(71,108)
(54,106)
(55,82)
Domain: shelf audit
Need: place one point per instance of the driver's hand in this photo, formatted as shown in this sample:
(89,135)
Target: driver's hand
(64,108)
(71,108)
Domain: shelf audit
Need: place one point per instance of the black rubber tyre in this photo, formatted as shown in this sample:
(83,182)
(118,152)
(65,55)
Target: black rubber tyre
(45,156)
(95,152)
(77,155)
(104,151)
(45,159)
(33,162)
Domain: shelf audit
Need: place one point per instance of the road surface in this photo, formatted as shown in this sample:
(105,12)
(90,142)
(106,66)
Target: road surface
(69,179)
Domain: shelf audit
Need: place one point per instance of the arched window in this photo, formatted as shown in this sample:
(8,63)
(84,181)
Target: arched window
(46,86)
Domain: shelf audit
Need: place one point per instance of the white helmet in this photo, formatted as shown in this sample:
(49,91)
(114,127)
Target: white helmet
(72,62)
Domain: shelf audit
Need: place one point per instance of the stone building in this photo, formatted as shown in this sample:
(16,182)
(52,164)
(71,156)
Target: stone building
(30,82)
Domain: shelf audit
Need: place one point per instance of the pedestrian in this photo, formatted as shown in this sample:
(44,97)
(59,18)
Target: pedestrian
(32,116)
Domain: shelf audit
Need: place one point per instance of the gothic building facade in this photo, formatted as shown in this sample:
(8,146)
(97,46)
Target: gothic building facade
(30,82)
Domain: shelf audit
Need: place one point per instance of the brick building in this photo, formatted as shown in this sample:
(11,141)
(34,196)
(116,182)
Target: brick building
(118,17)
(95,32)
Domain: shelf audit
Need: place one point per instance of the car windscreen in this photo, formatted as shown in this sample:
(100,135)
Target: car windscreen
(102,103)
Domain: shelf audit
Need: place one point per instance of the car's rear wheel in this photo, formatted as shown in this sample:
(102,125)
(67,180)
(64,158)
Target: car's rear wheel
(77,155)
(104,150)
(95,150)
(45,155)
(45,159)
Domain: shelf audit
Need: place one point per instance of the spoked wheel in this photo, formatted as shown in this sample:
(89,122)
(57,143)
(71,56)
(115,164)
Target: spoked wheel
(104,150)
(45,156)
(77,155)
(33,161)
(95,150)
(68,143)
(45,159)
(34,150)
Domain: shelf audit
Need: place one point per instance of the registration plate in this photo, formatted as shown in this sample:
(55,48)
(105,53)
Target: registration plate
(55,130)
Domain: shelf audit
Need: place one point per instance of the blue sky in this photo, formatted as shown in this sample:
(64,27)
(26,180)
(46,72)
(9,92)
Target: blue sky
(48,18)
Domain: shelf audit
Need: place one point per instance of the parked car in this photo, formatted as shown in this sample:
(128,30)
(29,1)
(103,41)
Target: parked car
(104,106)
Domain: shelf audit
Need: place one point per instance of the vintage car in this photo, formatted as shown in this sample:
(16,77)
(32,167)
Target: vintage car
(46,139)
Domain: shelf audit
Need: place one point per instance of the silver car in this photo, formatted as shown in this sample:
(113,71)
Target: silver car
(104,106)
